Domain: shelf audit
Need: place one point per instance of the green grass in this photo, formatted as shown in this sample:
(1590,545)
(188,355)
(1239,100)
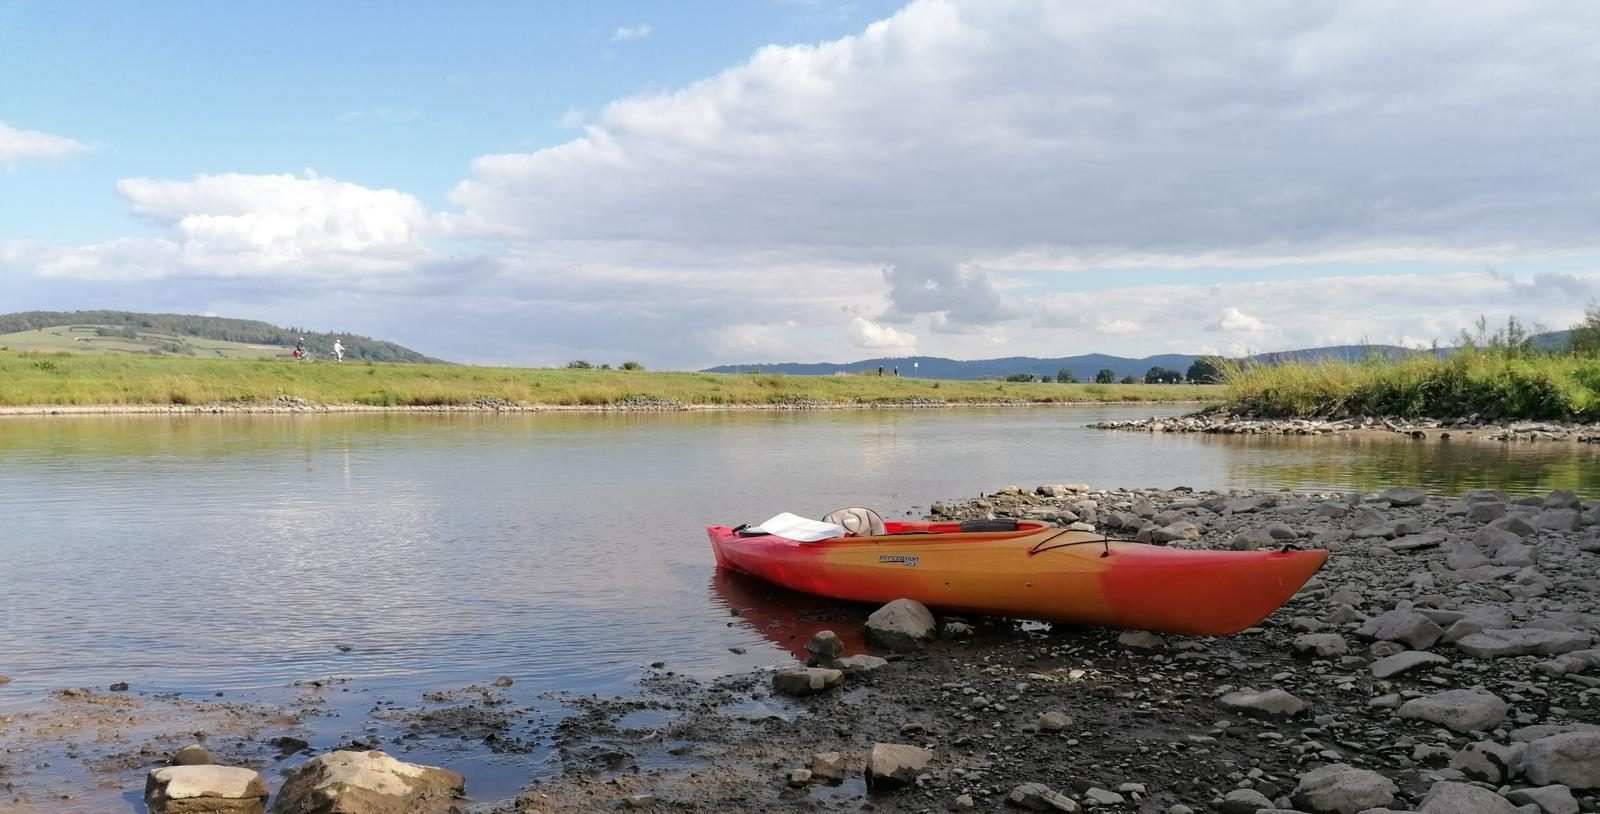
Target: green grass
(38,379)
(88,339)
(1493,384)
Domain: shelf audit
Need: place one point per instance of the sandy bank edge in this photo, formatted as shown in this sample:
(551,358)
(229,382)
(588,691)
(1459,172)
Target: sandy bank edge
(278,409)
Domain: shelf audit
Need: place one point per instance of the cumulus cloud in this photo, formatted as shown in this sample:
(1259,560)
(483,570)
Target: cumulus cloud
(1235,321)
(868,334)
(630,32)
(1112,327)
(573,119)
(894,176)
(1094,136)
(235,225)
(16,145)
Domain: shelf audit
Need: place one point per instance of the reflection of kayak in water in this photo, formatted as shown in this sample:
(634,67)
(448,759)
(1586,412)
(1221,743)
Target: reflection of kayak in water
(786,618)
(1022,570)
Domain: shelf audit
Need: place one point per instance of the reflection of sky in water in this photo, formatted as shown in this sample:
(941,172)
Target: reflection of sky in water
(565,550)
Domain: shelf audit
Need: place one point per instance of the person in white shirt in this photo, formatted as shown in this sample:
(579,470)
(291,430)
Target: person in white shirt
(338,351)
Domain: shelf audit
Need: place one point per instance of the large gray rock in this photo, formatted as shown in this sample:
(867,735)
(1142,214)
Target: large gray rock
(1558,520)
(1572,759)
(1458,710)
(1527,641)
(825,645)
(1415,630)
(892,765)
(1253,503)
(1244,801)
(193,755)
(1556,799)
(1252,539)
(1102,797)
(1488,761)
(1403,496)
(860,664)
(1529,734)
(1516,524)
(1414,542)
(904,624)
(1492,538)
(1515,555)
(1481,618)
(1039,797)
(1391,666)
(1054,721)
(1175,532)
(829,767)
(1141,640)
(1462,555)
(1340,788)
(1321,645)
(1273,703)
(367,783)
(1448,797)
(806,680)
(1486,511)
(203,788)
(1561,499)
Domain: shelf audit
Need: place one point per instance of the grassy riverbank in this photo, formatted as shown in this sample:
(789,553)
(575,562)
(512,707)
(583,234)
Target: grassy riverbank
(31,379)
(1493,384)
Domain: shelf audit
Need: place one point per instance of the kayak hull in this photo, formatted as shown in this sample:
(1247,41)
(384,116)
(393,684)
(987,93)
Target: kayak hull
(1034,572)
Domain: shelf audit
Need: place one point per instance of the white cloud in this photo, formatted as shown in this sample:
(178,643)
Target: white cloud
(573,119)
(16,145)
(868,334)
(958,136)
(1112,327)
(630,32)
(1235,321)
(888,177)
(236,225)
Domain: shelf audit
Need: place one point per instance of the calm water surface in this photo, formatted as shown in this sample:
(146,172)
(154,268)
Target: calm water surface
(235,553)
(231,552)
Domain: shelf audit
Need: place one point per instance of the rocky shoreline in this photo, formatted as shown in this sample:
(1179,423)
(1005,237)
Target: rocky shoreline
(293,405)
(1444,661)
(1222,423)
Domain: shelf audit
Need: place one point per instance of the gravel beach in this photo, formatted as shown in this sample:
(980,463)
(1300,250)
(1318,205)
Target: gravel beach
(1443,661)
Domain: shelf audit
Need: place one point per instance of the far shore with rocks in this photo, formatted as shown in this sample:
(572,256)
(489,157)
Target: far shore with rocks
(294,405)
(1468,428)
(1443,662)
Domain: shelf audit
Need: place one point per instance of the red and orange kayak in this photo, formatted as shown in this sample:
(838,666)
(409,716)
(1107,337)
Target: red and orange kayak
(1031,571)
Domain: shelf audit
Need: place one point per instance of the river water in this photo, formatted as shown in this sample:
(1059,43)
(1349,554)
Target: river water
(241,553)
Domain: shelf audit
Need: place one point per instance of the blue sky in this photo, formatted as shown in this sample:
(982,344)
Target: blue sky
(689,184)
(380,94)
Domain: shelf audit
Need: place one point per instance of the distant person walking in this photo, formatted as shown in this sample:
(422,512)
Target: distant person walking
(338,351)
(300,348)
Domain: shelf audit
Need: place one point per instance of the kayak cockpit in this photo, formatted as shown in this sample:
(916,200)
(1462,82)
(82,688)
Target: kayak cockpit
(863,523)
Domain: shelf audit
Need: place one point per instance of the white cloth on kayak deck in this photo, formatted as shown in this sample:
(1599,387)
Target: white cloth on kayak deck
(800,529)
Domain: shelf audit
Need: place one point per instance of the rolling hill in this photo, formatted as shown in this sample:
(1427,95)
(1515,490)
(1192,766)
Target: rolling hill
(936,367)
(127,332)
(1085,366)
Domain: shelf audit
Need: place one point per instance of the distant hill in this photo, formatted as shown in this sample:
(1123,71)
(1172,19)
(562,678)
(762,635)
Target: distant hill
(936,367)
(1554,340)
(181,335)
(1340,353)
(1086,366)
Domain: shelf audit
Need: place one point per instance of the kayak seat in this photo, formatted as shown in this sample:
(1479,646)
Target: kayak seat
(998,524)
(856,520)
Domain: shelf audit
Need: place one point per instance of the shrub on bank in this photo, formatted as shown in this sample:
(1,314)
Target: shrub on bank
(1491,384)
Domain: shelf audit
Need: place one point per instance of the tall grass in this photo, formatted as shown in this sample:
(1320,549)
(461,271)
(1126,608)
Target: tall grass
(35,379)
(1492,383)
